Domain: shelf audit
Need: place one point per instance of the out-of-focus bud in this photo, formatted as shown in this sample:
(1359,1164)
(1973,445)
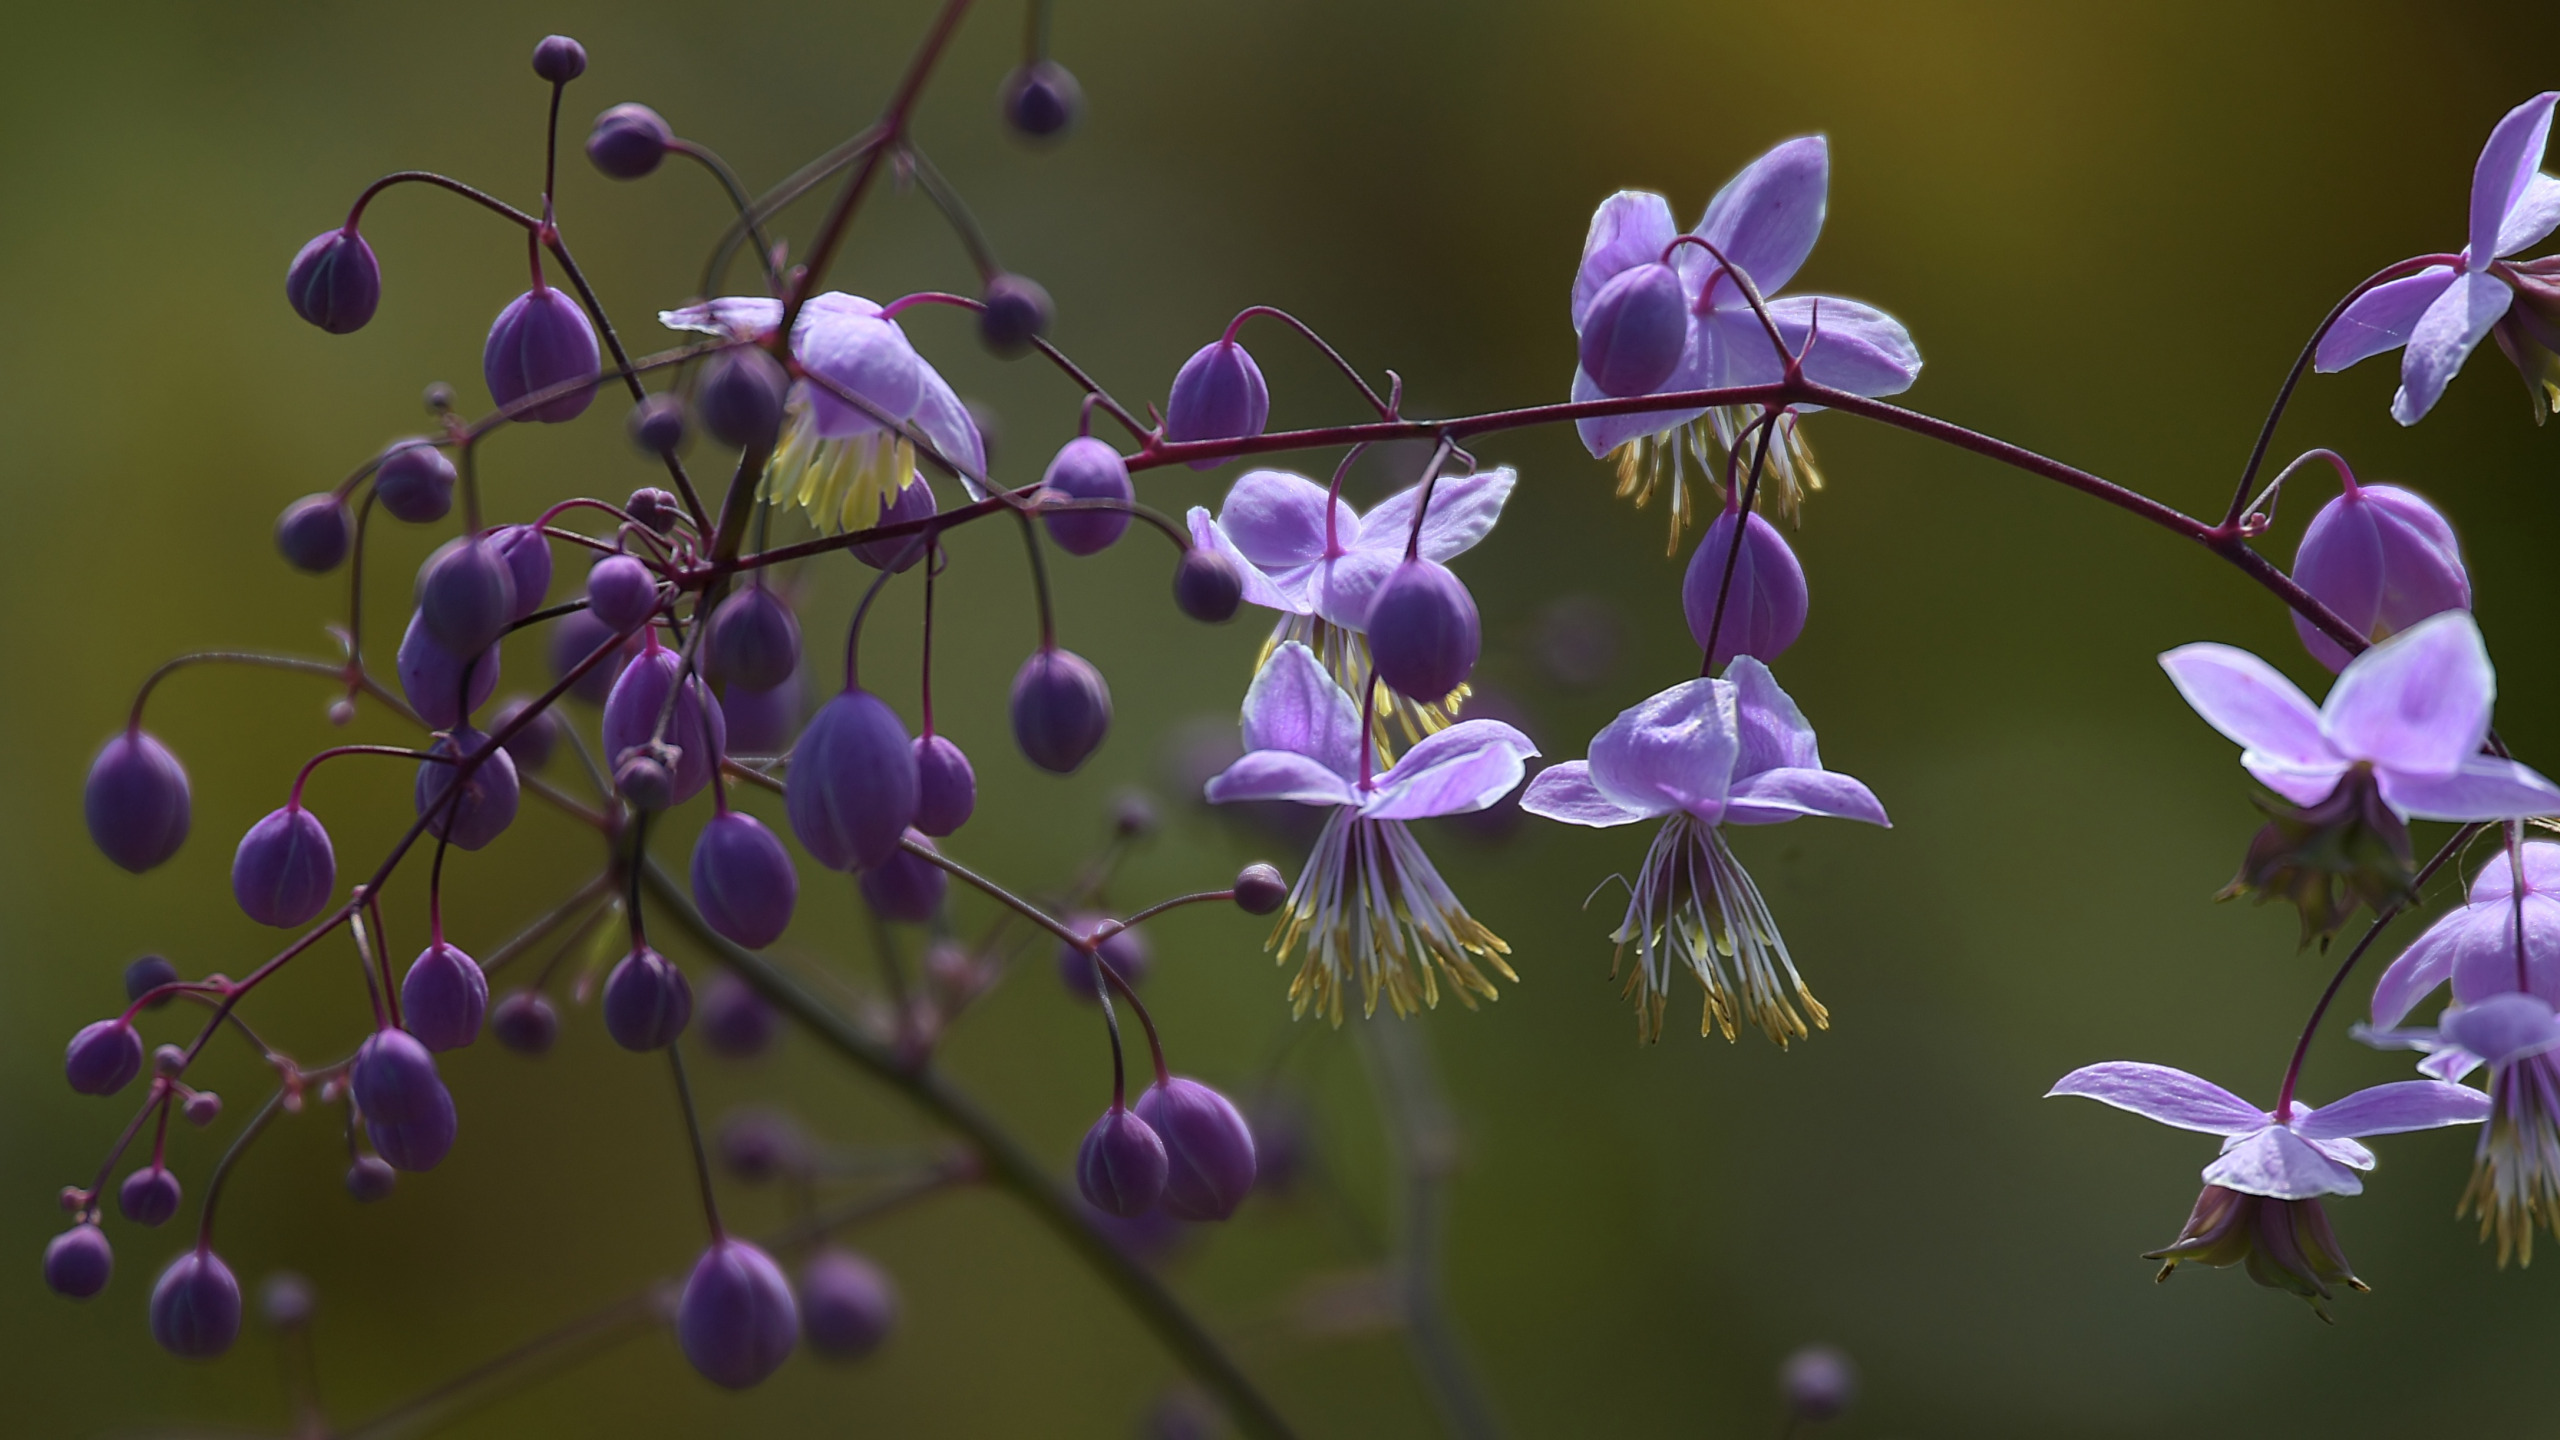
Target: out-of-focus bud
(524,1022)
(740,398)
(541,340)
(1133,814)
(1218,394)
(1424,633)
(1087,469)
(315,533)
(334,282)
(2287,1244)
(904,886)
(202,1108)
(758,1145)
(1017,312)
(286,1301)
(408,1114)
(1818,1383)
(1764,607)
(654,508)
(737,1321)
(371,1178)
(754,640)
(2382,558)
(1041,100)
(1061,709)
(743,880)
(574,637)
(1125,952)
(1635,330)
(414,481)
(848,1305)
(946,786)
(2326,859)
(736,1021)
(535,737)
(146,975)
(103,1058)
(628,141)
(78,1262)
(195,1306)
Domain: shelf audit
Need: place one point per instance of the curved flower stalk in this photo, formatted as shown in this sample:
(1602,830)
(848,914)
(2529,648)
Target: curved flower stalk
(1700,756)
(1370,911)
(836,462)
(1304,552)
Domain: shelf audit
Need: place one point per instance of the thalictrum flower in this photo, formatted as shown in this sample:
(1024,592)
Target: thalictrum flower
(1702,755)
(2439,315)
(1371,912)
(2501,939)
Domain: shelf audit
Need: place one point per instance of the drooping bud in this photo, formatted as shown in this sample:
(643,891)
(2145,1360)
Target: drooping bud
(414,481)
(487,804)
(848,1305)
(759,1145)
(740,398)
(195,1306)
(103,1058)
(852,790)
(1087,469)
(1040,100)
(1206,586)
(628,141)
(147,974)
(1208,1149)
(1424,633)
(657,425)
(541,340)
(2287,1244)
(1634,331)
(946,786)
(1121,1165)
(737,1322)
(695,728)
(334,282)
(149,1196)
(201,1108)
(1133,814)
(2383,559)
(444,997)
(1218,394)
(736,1021)
(643,779)
(1017,312)
(743,880)
(78,1262)
(1061,709)
(904,887)
(524,1022)
(621,592)
(432,678)
(137,801)
(1764,607)
(647,1001)
(899,553)
(2326,859)
(535,737)
(315,533)
(559,59)
(654,508)
(1818,1383)
(284,871)
(528,558)
(1260,889)
(1125,952)
(370,1178)
(466,595)
(754,640)
(408,1114)
(579,634)
(762,722)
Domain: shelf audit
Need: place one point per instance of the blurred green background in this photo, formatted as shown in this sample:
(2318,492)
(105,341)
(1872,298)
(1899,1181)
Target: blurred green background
(2109,229)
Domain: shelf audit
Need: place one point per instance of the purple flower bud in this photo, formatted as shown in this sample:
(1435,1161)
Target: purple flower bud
(559,59)
(1423,631)
(762,722)
(1764,608)
(1634,331)
(334,282)
(647,1001)
(654,508)
(524,1022)
(1040,100)
(371,1178)
(528,558)
(695,727)
(1218,394)
(1818,1383)
(286,1301)
(1087,469)
(899,552)
(904,886)
(540,340)
(1206,586)
(414,481)
(315,532)
(2384,559)
(78,1261)
(736,1322)
(443,997)
(946,788)
(1260,889)
(740,398)
(432,677)
(754,640)
(852,788)
(408,1114)
(487,804)
(1133,813)
(1121,1165)
(149,1196)
(743,880)
(169,1060)
(643,779)
(146,975)
(103,1058)
(1018,312)
(534,740)
(195,1306)
(848,1305)
(284,871)
(657,425)
(1207,1146)
(1061,709)
(628,141)
(137,801)
(466,595)
(574,637)
(736,1021)
(202,1108)
(757,1145)
(621,592)
(1126,952)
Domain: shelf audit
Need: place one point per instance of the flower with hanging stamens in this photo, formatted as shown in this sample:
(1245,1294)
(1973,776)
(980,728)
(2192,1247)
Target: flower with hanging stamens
(1369,914)
(837,461)
(1700,756)
(1320,571)
(2515,1173)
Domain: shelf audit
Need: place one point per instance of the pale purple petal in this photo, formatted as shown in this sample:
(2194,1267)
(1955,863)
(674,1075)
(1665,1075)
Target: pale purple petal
(944,421)
(1604,433)
(2426,964)
(2281,1165)
(843,338)
(2399,1106)
(2444,1060)
(1276,519)
(1766,219)
(1772,731)
(1775,796)
(1451,772)
(2485,788)
(1343,588)
(2535,214)
(1565,792)
(1737,349)
(1279,775)
(2496,880)
(2252,704)
(2445,337)
(2507,163)
(1258,587)
(1463,511)
(2381,318)
(2484,951)
(2503,1029)
(2157,1092)
(1630,228)
(2417,703)
(1846,345)
(2352,1153)
(731,317)
(1676,749)
(2450,1063)
(1294,705)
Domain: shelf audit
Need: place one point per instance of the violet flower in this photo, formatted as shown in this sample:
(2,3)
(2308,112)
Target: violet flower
(1702,755)
(1369,908)
(2439,315)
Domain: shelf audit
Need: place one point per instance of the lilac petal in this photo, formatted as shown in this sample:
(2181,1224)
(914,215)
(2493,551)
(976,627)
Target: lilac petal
(1294,705)
(1737,348)
(731,317)
(1276,519)
(2157,1092)
(2400,1106)
(2443,338)
(2535,214)
(1775,796)
(1463,511)
(1846,345)
(2281,1165)
(1766,219)
(2444,1060)
(2485,788)
(2507,164)
(1565,792)
(944,420)
(2380,319)
(2450,1063)
(1343,588)
(1773,732)
(1676,749)
(1258,587)
(2417,703)
(2484,950)
(843,338)
(2502,1030)
(1466,767)
(1604,433)
(2426,964)
(2497,881)
(1279,775)
(2252,704)
(2354,1154)
(1630,228)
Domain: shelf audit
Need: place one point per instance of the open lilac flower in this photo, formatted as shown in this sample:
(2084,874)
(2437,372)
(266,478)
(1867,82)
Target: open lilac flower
(2439,315)
(1702,755)
(1369,908)
(836,462)
(1764,221)
(2411,713)
(2480,947)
